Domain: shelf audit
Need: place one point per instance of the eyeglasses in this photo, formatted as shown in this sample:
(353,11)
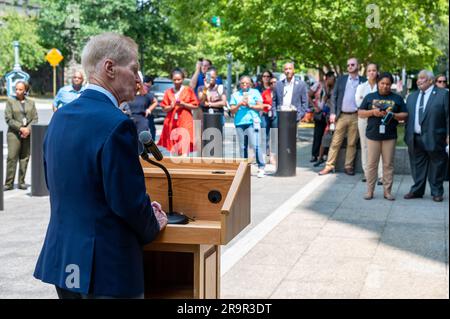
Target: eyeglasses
(441,81)
(352,64)
(273,82)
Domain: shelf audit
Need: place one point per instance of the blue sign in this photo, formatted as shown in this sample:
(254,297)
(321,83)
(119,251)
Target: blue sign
(12,78)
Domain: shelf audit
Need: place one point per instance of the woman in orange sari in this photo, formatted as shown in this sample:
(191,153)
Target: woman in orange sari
(177,135)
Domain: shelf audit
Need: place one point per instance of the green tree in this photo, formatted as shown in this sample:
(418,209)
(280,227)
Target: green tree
(23,29)
(67,25)
(324,33)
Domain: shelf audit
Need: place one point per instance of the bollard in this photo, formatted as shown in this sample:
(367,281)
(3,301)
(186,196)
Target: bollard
(38,185)
(212,121)
(2,203)
(287,143)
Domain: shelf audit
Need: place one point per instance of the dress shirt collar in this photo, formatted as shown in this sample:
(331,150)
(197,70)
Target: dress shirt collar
(104,91)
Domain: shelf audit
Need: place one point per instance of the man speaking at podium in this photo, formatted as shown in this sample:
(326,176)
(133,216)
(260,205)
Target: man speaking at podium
(101,215)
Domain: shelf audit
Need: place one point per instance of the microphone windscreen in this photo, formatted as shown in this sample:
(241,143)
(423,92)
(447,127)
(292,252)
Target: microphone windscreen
(145,137)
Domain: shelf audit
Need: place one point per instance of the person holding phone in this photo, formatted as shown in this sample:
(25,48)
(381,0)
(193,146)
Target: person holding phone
(198,78)
(20,114)
(383,110)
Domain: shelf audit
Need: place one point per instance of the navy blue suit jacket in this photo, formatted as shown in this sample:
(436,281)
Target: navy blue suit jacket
(434,123)
(100,212)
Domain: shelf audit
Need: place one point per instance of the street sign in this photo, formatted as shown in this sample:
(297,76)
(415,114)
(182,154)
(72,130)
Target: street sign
(54,57)
(12,78)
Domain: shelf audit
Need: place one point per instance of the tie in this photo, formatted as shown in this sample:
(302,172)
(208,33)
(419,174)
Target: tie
(422,96)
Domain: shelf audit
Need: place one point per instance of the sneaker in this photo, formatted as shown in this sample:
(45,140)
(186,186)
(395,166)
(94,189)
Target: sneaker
(261,173)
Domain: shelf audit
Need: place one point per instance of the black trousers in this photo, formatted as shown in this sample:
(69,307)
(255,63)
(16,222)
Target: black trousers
(319,129)
(427,164)
(67,294)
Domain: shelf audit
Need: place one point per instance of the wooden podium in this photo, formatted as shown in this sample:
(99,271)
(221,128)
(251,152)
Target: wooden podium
(184,260)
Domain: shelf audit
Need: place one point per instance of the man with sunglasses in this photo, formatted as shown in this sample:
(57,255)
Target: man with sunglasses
(441,81)
(344,113)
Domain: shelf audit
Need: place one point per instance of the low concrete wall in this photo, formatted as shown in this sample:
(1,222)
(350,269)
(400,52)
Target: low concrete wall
(401,161)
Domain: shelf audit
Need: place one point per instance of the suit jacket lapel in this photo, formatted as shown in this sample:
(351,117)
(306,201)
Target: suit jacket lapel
(428,106)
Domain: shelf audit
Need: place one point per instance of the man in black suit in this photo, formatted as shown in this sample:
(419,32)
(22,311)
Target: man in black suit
(427,136)
(344,112)
(291,92)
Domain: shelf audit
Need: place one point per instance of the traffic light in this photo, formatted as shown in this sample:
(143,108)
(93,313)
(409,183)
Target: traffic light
(215,21)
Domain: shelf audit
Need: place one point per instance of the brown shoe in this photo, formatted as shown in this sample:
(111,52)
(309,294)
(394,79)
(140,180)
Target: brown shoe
(327,170)
(389,197)
(349,171)
(411,196)
(438,198)
(368,196)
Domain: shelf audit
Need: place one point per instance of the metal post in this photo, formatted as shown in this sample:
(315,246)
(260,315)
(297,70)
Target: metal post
(287,143)
(38,184)
(16,56)
(229,75)
(54,81)
(2,207)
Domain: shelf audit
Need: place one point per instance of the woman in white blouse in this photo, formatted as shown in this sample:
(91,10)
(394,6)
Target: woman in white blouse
(362,90)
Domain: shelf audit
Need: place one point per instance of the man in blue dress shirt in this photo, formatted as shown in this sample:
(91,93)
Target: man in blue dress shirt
(68,93)
(101,215)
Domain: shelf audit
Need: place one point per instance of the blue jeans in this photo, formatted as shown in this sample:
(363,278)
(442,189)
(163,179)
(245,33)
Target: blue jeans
(267,123)
(248,134)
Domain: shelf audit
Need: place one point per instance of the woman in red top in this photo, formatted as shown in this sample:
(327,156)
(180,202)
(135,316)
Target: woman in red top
(177,135)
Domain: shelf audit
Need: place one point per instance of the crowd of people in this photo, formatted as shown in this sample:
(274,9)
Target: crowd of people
(349,107)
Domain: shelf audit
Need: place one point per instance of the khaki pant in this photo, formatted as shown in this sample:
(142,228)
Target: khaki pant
(387,151)
(362,127)
(18,151)
(347,124)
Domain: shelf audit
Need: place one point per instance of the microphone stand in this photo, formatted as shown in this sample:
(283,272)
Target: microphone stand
(172,217)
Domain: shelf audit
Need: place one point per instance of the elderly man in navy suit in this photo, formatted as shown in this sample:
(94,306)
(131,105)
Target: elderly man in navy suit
(291,92)
(427,136)
(101,215)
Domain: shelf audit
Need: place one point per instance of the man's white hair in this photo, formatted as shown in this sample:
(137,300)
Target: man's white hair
(429,74)
(109,45)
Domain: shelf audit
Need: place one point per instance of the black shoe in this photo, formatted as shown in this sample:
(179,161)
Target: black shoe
(319,162)
(379,182)
(23,186)
(364,180)
(8,188)
(313,159)
(411,196)
(349,171)
(438,198)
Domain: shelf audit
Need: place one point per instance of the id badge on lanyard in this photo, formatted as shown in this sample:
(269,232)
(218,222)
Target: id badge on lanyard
(211,111)
(382,129)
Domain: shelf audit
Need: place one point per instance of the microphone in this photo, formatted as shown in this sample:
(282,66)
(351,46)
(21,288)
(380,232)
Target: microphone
(149,145)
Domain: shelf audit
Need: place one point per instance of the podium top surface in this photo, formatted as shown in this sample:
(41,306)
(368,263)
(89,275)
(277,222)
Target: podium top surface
(218,218)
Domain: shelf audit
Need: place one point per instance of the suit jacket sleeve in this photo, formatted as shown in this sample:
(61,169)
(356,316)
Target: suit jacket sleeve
(334,97)
(34,115)
(446,109)
(303,101)
(13,124)
(123,182)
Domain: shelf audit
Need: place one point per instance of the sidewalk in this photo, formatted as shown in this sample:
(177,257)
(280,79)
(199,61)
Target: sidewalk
(337,245)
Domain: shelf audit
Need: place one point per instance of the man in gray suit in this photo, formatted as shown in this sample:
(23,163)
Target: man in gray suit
(427,136)
(344,112)
(291,92)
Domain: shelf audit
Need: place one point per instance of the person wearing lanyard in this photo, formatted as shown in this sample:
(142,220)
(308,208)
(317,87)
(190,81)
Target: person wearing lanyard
(20,114)
(383,110)
(177,135)
(245,105)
